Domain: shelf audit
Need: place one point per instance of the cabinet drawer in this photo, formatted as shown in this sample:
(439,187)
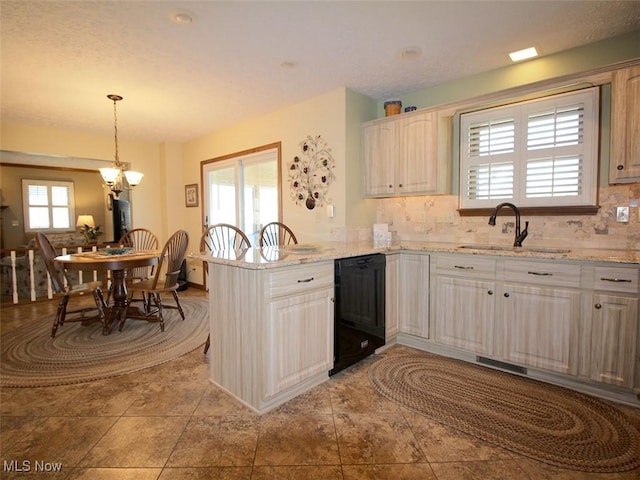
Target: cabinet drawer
(465,266)
(292,280)
(542,273)
(616,279)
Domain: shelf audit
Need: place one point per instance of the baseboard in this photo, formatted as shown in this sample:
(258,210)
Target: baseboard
(197,286)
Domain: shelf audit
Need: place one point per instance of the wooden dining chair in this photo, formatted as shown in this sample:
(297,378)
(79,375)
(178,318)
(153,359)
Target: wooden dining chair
(164,280)
(61,284)
(276,233)
(221,236)
(138,239)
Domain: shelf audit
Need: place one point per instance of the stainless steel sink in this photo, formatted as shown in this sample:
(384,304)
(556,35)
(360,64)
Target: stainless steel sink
(509,248)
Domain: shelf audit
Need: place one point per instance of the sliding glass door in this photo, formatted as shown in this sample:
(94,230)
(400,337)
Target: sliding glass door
(243,190)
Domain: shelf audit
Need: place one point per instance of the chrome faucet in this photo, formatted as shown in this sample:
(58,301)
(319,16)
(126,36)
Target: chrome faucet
(520,236)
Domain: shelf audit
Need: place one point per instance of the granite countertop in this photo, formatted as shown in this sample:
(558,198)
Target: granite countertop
(281,256)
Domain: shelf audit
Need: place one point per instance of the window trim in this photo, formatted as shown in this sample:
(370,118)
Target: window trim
(26,183)
(591,168)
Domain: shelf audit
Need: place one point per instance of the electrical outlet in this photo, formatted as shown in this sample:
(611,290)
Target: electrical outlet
(622,215)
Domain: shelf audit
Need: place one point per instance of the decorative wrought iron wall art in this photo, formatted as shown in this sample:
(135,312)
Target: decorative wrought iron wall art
(311,173)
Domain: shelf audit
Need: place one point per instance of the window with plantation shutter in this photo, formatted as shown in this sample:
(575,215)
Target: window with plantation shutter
(539,153)
(48,205)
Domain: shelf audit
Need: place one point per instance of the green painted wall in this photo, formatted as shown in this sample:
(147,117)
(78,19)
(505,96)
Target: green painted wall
(580,59)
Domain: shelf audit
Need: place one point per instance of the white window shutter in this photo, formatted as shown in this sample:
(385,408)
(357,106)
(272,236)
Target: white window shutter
(531,152)
(48,205)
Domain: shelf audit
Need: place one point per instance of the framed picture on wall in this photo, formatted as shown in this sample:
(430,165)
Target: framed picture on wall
(191,195)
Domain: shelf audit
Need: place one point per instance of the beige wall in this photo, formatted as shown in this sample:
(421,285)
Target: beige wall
(158,203)
(323,115)
(146,199)
(87,190)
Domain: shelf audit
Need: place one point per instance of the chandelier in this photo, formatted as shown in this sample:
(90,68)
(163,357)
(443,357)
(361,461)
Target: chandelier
(113,176)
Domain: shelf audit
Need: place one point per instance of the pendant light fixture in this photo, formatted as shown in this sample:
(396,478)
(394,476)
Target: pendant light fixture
(113,176)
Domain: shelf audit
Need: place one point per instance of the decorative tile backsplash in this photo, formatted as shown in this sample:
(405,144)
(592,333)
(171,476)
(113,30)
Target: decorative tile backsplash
(435,219)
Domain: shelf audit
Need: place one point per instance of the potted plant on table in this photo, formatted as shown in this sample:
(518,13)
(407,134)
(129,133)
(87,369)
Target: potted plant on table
(90,233)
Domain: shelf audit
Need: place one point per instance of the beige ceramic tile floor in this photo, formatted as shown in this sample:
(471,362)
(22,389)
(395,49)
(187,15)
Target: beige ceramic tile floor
(170,423)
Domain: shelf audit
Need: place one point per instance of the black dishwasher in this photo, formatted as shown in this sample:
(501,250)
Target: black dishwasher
(359,309)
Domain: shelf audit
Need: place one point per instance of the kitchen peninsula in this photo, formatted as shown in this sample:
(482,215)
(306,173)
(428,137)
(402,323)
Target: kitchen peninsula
(567,316)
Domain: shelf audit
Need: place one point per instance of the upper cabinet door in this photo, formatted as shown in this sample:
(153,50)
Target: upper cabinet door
(408,154)
(625,126)
(418,163)
(380,154)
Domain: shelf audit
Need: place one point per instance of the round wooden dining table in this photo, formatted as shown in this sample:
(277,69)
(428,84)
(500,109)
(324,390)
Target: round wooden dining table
(118,264)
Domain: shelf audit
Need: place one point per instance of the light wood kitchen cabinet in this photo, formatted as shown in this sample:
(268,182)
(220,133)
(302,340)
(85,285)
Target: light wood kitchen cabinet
(271,330)
(380,154)
(407,154)
(624,162)
(522,312)
(417,167)
(540,320)
(464,296)
(299,325)
(614,326)
(299,338)
(541,327)
(392,296)
(574,322)
(413,294)
(614,333)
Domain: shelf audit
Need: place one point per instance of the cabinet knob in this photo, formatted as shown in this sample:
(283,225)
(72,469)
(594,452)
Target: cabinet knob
(506,294)
(620,167)
(390,186)
(490,292)
(400,185)
(598,306)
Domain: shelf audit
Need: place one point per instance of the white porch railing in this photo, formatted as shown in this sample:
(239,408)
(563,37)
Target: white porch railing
(15,273)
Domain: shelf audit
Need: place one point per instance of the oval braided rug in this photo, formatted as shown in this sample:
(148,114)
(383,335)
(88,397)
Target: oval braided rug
(31,358)
(548,423)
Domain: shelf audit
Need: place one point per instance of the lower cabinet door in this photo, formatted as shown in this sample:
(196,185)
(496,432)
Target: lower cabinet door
(540,327)
(413,294)
(299,336)
(464,313)
(614,331)
(392,297)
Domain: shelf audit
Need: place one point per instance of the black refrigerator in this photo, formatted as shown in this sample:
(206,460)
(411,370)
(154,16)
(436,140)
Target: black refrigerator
(121,210)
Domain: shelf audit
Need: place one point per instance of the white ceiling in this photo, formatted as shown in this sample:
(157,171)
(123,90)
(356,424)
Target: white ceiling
(179,82)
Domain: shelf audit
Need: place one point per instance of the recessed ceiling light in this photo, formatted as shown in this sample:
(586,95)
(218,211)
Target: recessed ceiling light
(410,53)
(181,18)
(288,65)
(523,54)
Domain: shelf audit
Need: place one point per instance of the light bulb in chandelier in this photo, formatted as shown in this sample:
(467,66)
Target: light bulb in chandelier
(110,175)
(133,178)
